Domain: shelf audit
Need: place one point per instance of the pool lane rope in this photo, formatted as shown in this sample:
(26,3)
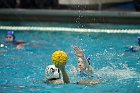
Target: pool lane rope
(68,29)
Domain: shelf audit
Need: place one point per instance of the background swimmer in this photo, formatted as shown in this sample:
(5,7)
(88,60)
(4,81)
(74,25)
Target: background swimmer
(139,41)
(134,48)
(11,39)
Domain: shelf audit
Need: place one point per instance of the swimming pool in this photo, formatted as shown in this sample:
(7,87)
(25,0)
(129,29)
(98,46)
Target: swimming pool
(22,70)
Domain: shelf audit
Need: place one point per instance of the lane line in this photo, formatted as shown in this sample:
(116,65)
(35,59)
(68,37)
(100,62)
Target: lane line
(68,29)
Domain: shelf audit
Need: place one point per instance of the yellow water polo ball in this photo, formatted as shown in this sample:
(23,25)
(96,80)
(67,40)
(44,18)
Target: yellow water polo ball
(59,57)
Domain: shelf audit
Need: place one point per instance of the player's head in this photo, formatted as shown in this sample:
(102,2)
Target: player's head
(52,72)
(10,36)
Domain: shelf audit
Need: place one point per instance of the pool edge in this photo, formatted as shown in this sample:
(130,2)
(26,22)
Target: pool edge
(69,16)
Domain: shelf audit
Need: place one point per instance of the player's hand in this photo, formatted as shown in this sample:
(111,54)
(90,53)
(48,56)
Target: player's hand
(78,51)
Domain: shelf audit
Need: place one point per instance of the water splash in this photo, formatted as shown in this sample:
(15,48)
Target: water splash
(110,74)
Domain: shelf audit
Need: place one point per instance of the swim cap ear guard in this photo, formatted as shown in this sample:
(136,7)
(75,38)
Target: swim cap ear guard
(52,72)
(11,33)
(88,59)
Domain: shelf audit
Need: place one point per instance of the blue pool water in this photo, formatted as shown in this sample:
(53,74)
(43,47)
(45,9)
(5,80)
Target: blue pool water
(21,71)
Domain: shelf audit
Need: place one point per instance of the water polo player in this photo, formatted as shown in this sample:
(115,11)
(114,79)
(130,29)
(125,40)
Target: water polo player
(53,76)
(83,63)
(134,48)
(59,58)
(11,39)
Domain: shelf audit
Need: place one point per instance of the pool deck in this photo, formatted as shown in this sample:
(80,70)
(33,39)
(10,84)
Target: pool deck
(66,16)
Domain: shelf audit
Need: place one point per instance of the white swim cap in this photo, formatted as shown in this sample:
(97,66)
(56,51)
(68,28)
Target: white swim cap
(52,72)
